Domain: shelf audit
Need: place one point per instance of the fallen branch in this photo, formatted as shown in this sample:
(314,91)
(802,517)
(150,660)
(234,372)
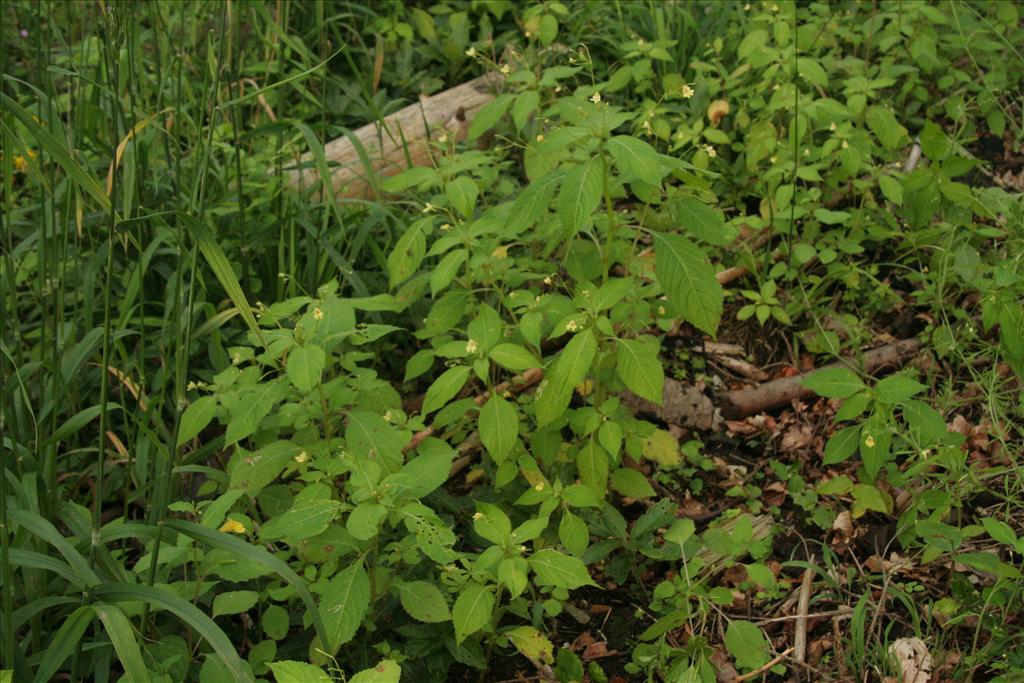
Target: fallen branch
(396,142)
(800,630)
(777,393)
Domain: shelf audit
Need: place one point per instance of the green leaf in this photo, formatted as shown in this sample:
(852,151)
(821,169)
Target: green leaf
(408,253)
(364,521)
(513,357)
(842,445)
(526,103)
(386,671)
(747,644)
(875,442)
(488,116)
(592,464)
(256,555)
(64,642)
(533,202)
(305,366)
(580,196)
(662,448)
(570,369)
(191,615)
(288,671)
(532,644)
(499,426)
(344,605)
(886,128)
(699,219)
(462,193)
(122,637)
(629,482)
(234,602)
(897,388)
(370,435)
(446,270)
(640,368)
(562,571)
(445,388)
(304,519)
(424,602)
(892,189)
(472,610)
(636,158)
(254,404)
(867,497)
(688,281)
(989,563)
(573,533)
(196,418)
(834,383)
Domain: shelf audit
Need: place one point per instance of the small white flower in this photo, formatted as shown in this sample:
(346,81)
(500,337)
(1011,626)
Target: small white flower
(686,91)
(522,548)
(710,151)
(471,52)
(547,280)
(318,314)
(505,69)
(429,208)
(869,441)
(477,516)
(832,126)
(571,326)
(387,416)
(443,138)
(595,98)
(539,487)
(647,127)
(445,227)
(585,293)
(661,310)
(845,144)
(301,457)
(775,8)
(472,346)
(540,138)
(558,88)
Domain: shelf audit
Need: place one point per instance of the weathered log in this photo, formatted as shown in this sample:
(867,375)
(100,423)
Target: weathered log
(777,393)
(396,142)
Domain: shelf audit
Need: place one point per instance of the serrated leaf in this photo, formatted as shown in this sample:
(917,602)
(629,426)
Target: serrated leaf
(834,383)
(573,533)
(629,482)
(747,644)
(234,602)
(305,518)
(344,605)
(842,445)
(386,671)
(462,193)
(305,366)
(579,196)
(570,369)
(892,189)
(499,427)
(533,202)
(703,221)
(369,435)
(562,571)
(408,253)
(254,405)
(472,610)
(289,671)
(424,602)
(688,281)
(445,388)
(196,418)
(636,158)
(592,464)
(488,116)
(640,369)
(513,357)
(531,643)
(525,104)
(897,388)
(886,128)
(446,270)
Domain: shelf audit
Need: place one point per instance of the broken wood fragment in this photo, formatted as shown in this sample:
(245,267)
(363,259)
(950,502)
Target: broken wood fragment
(396,142)
(777,393)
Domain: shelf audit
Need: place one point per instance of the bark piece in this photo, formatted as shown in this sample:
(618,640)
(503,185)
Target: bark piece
(397,141)
(777,393)
(682,405)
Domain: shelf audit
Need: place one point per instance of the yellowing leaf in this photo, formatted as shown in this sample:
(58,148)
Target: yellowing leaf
(662,448)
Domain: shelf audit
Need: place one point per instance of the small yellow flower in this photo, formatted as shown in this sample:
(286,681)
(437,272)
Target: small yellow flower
(539,487)
(477,516)
(547,280)
(595,98)
(318,314)
(775,8)
(869,441)
(845,144)
(832,126)
(472,346)
(445,227)
(387,416)
(686,91)
(443,138)
(471,52)
(232,527)
(527,34)
(505,69)
(661,310)
(540,138)
(710,151)
(429,208)
(571,326)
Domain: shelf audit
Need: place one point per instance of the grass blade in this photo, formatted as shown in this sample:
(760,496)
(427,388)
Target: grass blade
(121,634)
(64,642)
